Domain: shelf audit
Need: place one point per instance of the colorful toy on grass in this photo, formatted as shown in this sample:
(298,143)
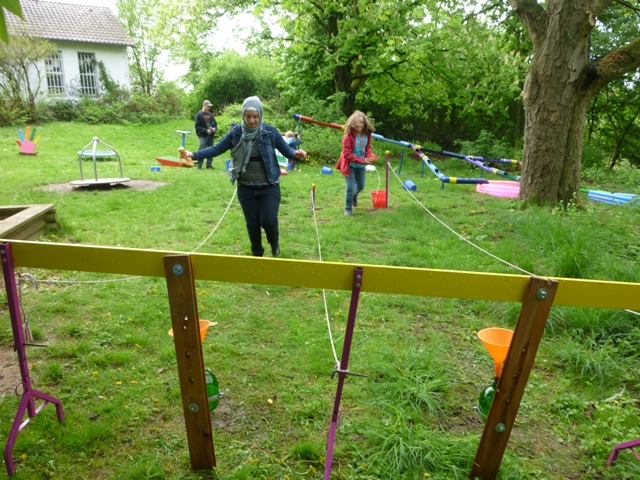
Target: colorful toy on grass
(507,189)
(213,387)
(479,162)
(28,141)
(612,198)
(181,161)
(500,188)
(496,341)
(416,148)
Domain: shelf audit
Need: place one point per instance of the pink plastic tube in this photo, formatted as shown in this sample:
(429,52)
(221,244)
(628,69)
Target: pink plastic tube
(499,188)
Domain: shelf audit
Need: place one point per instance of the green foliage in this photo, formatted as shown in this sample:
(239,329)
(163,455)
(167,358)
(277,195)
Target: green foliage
(488,146)
(12,112)
(12,6)
(21,73)
(143,22)
(624,177)
(166,103)
(231,78)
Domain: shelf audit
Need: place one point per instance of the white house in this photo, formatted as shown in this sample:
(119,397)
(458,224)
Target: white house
(83,35)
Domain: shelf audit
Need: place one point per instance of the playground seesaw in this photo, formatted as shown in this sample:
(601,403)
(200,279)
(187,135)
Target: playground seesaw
(416,148)
(536,295)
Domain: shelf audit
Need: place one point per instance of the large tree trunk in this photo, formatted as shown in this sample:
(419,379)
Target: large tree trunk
(556,107)
(558,89)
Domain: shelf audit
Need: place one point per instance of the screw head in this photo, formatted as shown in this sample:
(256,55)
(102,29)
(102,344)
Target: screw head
(541,294)
(500,427)
(194,407)
(178,269)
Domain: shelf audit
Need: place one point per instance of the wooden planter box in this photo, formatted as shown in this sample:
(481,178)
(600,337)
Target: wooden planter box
(26,222)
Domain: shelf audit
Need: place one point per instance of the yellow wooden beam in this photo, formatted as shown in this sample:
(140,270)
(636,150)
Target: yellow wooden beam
(329,275)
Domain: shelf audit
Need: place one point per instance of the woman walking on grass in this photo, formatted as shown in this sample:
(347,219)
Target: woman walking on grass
(254,165)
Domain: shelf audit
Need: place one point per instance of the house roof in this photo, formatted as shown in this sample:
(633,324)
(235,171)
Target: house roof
(64,21)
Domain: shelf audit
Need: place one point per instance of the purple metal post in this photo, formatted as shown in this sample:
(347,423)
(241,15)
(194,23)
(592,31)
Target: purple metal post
(342,372)
(386,180)
(621,446)
(27,403)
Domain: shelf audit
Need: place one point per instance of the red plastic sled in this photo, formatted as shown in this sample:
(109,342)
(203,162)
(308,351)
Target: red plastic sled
(169,161)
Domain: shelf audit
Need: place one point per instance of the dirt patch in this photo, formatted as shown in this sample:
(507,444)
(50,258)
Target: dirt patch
(130,185)
(9,370)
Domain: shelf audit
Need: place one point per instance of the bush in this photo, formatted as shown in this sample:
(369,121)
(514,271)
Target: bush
(12,112)
(232,78)
(138,108)
(594,155)
(171,97)
(488,146)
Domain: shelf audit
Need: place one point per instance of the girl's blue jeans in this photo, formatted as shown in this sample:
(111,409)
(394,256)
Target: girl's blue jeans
(355,184)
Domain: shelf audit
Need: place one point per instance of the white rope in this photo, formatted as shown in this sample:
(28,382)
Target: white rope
(456,233)
(217,224)
(324,293)
(631,311)
(126,279)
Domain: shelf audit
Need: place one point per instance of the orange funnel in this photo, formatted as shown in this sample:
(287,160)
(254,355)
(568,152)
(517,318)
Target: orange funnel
(204,327)
(497,341)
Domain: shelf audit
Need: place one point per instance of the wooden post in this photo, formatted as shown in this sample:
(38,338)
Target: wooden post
(186,336)
(536,305)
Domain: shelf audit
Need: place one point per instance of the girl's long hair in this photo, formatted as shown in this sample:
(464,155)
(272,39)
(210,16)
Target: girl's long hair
(368,126)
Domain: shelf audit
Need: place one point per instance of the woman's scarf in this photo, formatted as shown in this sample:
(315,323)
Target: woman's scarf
(241,153)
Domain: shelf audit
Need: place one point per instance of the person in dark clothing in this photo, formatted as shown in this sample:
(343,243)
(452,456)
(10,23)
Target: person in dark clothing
(254,164)
(206,126)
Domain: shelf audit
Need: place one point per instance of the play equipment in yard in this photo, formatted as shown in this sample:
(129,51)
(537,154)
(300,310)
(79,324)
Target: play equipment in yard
(623,446)
(612,198)
(29,395)
(213,386)
(379,198)
(184,134)
(181,271)
(204,328)
(416,148)
(28,141)
(181,161)
(500,188)
(409,185)
(496,341)
(90,151)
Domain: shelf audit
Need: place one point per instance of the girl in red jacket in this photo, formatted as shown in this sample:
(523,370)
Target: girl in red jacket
(356,154)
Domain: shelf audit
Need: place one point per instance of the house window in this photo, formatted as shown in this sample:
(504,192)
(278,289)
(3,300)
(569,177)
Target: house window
(88,77)
(55,77)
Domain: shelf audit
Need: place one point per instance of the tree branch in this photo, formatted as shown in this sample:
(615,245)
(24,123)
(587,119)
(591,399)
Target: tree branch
(532,16)
(616,63)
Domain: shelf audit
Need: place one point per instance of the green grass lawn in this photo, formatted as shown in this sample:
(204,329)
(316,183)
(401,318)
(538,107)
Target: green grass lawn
(110,360)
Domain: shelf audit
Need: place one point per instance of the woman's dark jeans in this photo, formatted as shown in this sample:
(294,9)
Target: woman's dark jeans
(260,206)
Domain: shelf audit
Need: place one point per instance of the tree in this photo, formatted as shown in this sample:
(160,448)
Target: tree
(560,84)
(231,78)
(21,62)
(140,18)
(12,6)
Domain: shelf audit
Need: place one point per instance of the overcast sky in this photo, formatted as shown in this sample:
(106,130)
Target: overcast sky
(228,33)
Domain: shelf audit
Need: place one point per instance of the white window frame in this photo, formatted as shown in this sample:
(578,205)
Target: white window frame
(88,71)
(55,73)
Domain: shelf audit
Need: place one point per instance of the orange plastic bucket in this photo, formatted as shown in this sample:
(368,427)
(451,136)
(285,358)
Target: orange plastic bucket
(379,198)
(204,327)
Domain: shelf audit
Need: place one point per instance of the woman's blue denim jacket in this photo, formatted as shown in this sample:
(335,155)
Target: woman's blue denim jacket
(269,140)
